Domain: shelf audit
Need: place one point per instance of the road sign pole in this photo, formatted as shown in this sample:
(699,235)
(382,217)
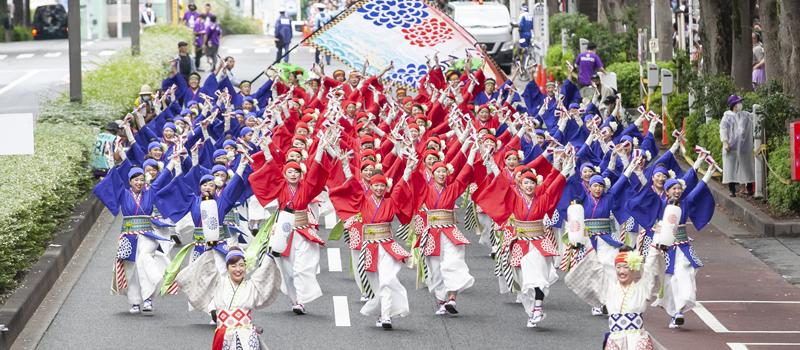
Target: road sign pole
(74,39)
(134,27)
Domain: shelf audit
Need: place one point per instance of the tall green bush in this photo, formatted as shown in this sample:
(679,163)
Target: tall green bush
(776,109)
(784,198)
(21,33)
(610,47)
(555,62)
(232,23)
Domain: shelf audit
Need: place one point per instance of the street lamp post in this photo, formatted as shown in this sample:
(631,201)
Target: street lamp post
(74,35)
(134,27)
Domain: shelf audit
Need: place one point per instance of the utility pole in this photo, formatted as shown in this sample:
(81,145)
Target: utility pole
(119,18)
(134,27)
(74,35)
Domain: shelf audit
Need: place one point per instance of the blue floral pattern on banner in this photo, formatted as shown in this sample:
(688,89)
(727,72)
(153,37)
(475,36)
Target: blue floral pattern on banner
(410,74)
(394,13)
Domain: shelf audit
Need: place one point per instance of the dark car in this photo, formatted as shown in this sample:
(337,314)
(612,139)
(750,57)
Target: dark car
(50,22)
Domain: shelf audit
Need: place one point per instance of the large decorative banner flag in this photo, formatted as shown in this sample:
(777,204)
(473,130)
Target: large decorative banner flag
(400,32)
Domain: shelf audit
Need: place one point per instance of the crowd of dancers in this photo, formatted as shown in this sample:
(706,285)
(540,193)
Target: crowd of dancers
(548,181)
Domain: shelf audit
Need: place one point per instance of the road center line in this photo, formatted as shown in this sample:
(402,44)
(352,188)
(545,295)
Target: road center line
(340,311)
(334,260)
(18,81)
(709,318)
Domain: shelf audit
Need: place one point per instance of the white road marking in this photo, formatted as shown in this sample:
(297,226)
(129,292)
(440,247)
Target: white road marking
(717,326)
(340,311)
(107,52)
(24,55)
(84,53)
(743,346)
(261,50)
(18,81)
(88,43)
(52,54)
(234,50)
(750,302)
(334,260)
(3,56)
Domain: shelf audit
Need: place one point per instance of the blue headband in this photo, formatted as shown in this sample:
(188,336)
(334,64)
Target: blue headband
(170,126)
(587,117)
(597,179)
(206,178)
(671,182)
(248,98)
(135,172)
(150,162)
(220,152)
(232,253)
(539,132)
(186,111)
(178,118)
(191,103)
(229,143)
(627,138)
(245,131)
(574,105)
(219,167)
(587,165)
(153,145)
(661,169)
(251,115)
(239,112)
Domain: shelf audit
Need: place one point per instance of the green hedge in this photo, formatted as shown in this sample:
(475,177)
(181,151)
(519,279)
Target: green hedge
(39,191)
(232,23)
(555,62)
(784,198)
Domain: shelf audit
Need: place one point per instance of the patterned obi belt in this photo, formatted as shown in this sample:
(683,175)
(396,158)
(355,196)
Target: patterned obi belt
(680,235)
(377,232)
(199,236)
(234,319)
(600,226)
(231,218)
(529,230)
(625,322)
(134,225)
(300,219)
(441,217)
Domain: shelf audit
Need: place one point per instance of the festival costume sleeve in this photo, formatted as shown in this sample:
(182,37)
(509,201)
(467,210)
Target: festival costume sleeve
(181,87)
(330,83)
(649,145)
(161,180)
(109,191)
(496,198)
(263,94)
(385,147)
(588,279)
(404,201)
(266,280)
(653,270)
(644,206)
(158,122)
(437,114)
(347,198)
(210,87)
(198,281)
(175,199)
(571,92)
(436,78)
(700,205)
(315,177)
(690,180)
(267,182)
(230,194)
(135,154)
(144,136)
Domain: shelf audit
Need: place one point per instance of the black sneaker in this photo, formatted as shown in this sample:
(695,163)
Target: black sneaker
(733,193)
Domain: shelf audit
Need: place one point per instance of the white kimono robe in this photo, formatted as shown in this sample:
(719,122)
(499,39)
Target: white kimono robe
(590,282)
(203,284)
(738,164)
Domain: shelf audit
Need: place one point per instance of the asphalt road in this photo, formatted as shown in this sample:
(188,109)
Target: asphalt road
(30,71)
(744,301)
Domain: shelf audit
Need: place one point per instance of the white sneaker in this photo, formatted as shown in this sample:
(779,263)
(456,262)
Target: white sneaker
(299,309)
(678,319)
(364,298)
(673,325)
(450,305)
(531,324)
(135,309)
(441,310)
(538,316)
(147,307)
(212,322)
(596,311)
(387,323)
(379,322)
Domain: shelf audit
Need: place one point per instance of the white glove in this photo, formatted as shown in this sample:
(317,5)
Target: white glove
(709,174)
(320,152)
(346,169)
(639,121)
(471,157)
(465,146)
(629,170)
(242,164)
(652,128)
(612,162)
(129,133)
(699,161)
(227,124)
(562,124)
(195,158)
(590,139)
(567,169)
(675,146)
(409,168)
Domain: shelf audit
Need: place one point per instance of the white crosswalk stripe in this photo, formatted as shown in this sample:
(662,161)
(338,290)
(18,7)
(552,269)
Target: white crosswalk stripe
(84,53)
(52,54)
(24,55)
(107,52)
(3,56)
(234,50)
(262,51)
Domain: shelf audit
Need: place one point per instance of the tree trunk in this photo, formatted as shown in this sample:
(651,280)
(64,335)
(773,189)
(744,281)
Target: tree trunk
(642,13)
(768,14)
(609,8)
(664,30)
(552,7)
(19,13)
(742,43)
(716,36)
(588,8)
(790,47)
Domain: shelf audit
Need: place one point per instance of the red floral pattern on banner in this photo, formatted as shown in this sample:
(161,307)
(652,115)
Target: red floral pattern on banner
(429,33)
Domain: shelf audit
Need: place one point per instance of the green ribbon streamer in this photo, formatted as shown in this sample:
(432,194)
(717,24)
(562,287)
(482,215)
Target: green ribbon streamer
(259,241)
(337,232)
(174,267)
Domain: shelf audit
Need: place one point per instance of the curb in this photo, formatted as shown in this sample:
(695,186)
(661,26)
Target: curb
(21,306)
(763,224)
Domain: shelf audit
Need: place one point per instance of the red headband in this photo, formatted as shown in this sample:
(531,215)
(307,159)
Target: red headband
(490,137)
(301,125)
(292,165)
(438,165)
(431,152)
(338,72)
(367,162)
(298,137)
(367,152)
(622,257)
(528,175)
(511,153)
(367,138)
(378,179)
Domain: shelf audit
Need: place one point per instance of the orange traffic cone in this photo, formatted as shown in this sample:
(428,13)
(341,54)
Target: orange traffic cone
(541,79)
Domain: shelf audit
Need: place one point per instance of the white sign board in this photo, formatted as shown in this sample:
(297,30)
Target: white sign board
(609,79)
(16,137)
